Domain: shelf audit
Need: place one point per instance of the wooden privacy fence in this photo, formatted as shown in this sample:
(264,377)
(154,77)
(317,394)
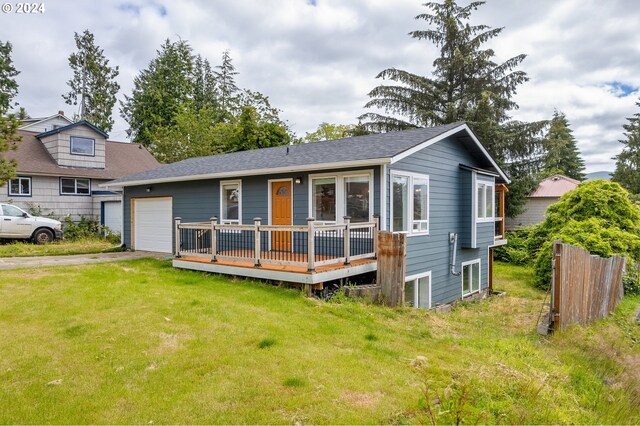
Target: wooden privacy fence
(584,287)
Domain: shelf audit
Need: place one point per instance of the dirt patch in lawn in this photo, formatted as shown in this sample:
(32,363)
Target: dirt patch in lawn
(361,399)
(171,342)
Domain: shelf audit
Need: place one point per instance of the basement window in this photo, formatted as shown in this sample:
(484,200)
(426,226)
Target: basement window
(417,291)
(470,277)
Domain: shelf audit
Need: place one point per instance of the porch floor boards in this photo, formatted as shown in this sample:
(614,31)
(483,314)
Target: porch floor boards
(298,269)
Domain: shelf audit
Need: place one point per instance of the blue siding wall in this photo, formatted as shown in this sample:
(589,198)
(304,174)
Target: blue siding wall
(198,201)
(449,211)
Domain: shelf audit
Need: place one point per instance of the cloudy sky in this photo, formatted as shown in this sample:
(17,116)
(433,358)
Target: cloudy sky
(317,59)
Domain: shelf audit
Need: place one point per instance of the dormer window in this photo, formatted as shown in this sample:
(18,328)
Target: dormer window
(83,146)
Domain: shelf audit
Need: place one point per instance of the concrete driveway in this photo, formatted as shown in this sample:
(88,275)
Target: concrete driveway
(76,259)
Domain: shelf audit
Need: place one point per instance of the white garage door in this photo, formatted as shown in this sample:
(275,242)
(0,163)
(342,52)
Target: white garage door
(152,224)
(113,216)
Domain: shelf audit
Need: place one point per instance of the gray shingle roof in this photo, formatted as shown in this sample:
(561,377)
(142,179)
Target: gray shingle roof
(358,148)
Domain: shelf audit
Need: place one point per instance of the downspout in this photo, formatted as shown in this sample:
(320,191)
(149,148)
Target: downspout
(453,239)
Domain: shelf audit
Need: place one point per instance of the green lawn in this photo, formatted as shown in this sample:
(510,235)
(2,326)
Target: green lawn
(86,246)
(140,342)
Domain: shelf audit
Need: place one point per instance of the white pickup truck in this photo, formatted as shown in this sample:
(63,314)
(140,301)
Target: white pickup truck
(15,223)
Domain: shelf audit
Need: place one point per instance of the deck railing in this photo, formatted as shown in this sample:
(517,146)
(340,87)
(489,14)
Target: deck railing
(314,244)
(499,228)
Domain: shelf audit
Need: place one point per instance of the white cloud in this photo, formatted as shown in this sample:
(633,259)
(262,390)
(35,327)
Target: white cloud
(317,63)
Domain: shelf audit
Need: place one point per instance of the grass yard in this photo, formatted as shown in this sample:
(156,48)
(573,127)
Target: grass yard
(140,342)
(85,246)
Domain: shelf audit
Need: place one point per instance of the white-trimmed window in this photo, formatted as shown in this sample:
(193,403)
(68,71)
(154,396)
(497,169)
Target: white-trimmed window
(83,146)
(323,198)
(417,291)
(231,202)
(20,186)
(485,199)
(341,194)
(470,277)
(75,186)
(409,203)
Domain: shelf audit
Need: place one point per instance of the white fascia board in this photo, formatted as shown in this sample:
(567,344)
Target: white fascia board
(254,172)
(445,135)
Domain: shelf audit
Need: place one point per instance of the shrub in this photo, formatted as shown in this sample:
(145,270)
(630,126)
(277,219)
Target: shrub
(88,228)
(593,235)
(631,280)
(517,251)
(597,216)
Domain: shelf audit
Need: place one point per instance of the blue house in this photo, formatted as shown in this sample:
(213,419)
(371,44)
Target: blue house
(311,213)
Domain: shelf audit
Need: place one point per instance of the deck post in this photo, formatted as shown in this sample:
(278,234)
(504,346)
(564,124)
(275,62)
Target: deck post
(347,239)
(177,236)
(214,240)
(311,243)
(256,249)
(376,228)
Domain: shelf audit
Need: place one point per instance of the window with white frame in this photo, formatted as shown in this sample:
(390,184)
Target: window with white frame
(485,199)
(409,203)
(75,186)
(470,277)
(324,199)
(342,194)
(20,186)
(417,291)
(83,146)
(230,202)
(356,198)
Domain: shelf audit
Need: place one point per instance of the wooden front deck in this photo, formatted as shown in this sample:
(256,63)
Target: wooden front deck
(306,254)
(278,272)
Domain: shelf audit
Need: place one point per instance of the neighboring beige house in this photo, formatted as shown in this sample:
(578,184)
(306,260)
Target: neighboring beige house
(60,165)
(548,192)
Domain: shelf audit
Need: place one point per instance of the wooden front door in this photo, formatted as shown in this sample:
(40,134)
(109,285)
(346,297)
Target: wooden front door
(281,214)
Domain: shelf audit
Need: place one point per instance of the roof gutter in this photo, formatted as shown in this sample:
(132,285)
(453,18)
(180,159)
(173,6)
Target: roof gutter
(254,172)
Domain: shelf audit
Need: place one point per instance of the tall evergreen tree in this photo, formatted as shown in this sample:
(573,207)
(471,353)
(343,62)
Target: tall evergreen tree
(205,91)
(160,92)
(627,171)
(466,84)
(93,84)
(226,84)
(8,122)
(563,155)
